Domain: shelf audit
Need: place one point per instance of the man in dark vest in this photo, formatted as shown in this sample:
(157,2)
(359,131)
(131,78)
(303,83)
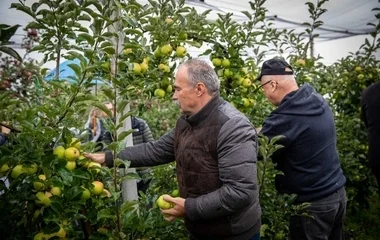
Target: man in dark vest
(370,103)
(215,149)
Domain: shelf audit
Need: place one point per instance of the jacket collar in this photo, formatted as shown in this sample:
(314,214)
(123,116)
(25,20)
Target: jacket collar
(197,118)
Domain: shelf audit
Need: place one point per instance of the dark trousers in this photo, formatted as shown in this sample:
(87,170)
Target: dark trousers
(376,172)
(326,221)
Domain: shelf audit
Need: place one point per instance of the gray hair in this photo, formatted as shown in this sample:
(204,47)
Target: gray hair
(200,71)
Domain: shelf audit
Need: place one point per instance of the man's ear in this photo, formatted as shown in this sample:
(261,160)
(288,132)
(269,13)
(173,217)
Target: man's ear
(201,89)
(273,85)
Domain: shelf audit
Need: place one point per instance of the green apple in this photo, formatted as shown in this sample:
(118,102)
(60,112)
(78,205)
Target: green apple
(75,143)
(175,193)
(127,51)
(4,168)
(94,165)
(169,89)
(97,188)
(144,66)
(180,52)
(217,62)
(157,52)
(38,185)
(167,49)
(246,102)
(60,152)
(163,67)
(41,236)
(61,233)
(105,193)
(160,93)
(56,191)
(226,63)
(136,68)
(17,171)
(86,194)
(246,83)
(300,62)
(71,165)
(72,154)
(163,204)
(31,169)
(43,198)
(182,36)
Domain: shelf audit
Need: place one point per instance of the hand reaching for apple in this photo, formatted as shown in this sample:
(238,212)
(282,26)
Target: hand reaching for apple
(96,157)
(178,209)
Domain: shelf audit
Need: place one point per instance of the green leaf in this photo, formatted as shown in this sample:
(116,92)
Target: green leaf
(109,50)
(119,162)
(86,37)
(84,18)
(133,32)
(22,8)
(106,44)
(275,139)
(74,193)
(65,175)
(121,105)
(246,13)
(131,21)
(105,214)
(57,207)
(130,113)
(124,134)
(6,32)
(109,93)
(102,107)
(132,45)
(130,176)
(128,206)
(10,52)
(77,69)
(81,174)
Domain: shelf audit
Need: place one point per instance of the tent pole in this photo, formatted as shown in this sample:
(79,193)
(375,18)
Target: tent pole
(129,187)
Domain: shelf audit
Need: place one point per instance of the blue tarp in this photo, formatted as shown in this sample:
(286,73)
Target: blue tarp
(65,72)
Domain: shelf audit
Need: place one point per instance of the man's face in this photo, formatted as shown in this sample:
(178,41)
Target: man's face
(267,86)
(184,93)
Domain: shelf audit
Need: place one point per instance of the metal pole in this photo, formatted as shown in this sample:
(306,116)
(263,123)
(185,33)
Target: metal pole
(129,187)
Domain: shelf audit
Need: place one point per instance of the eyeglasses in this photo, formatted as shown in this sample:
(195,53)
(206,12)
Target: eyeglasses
(262,85)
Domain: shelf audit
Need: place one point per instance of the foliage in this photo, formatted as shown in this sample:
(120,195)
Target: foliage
(6,32)
(134,48)
(274,225)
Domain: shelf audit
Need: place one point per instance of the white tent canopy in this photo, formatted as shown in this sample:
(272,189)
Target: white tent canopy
(344,29)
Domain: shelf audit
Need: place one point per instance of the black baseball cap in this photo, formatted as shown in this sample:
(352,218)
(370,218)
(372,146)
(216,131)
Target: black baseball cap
(275,66)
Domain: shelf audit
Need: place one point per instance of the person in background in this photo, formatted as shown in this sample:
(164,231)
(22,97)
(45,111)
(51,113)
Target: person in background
(309,159)
(215,149)
(98,133)
(370,105)
(4,135)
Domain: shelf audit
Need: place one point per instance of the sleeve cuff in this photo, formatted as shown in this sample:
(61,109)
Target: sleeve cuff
(191,209)
(108,159)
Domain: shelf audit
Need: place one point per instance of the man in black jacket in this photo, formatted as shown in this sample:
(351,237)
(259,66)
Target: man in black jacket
(370,104)
(309,159)
(215,149)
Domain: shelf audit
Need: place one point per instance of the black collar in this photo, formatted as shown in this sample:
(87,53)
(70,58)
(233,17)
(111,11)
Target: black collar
(200,116)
